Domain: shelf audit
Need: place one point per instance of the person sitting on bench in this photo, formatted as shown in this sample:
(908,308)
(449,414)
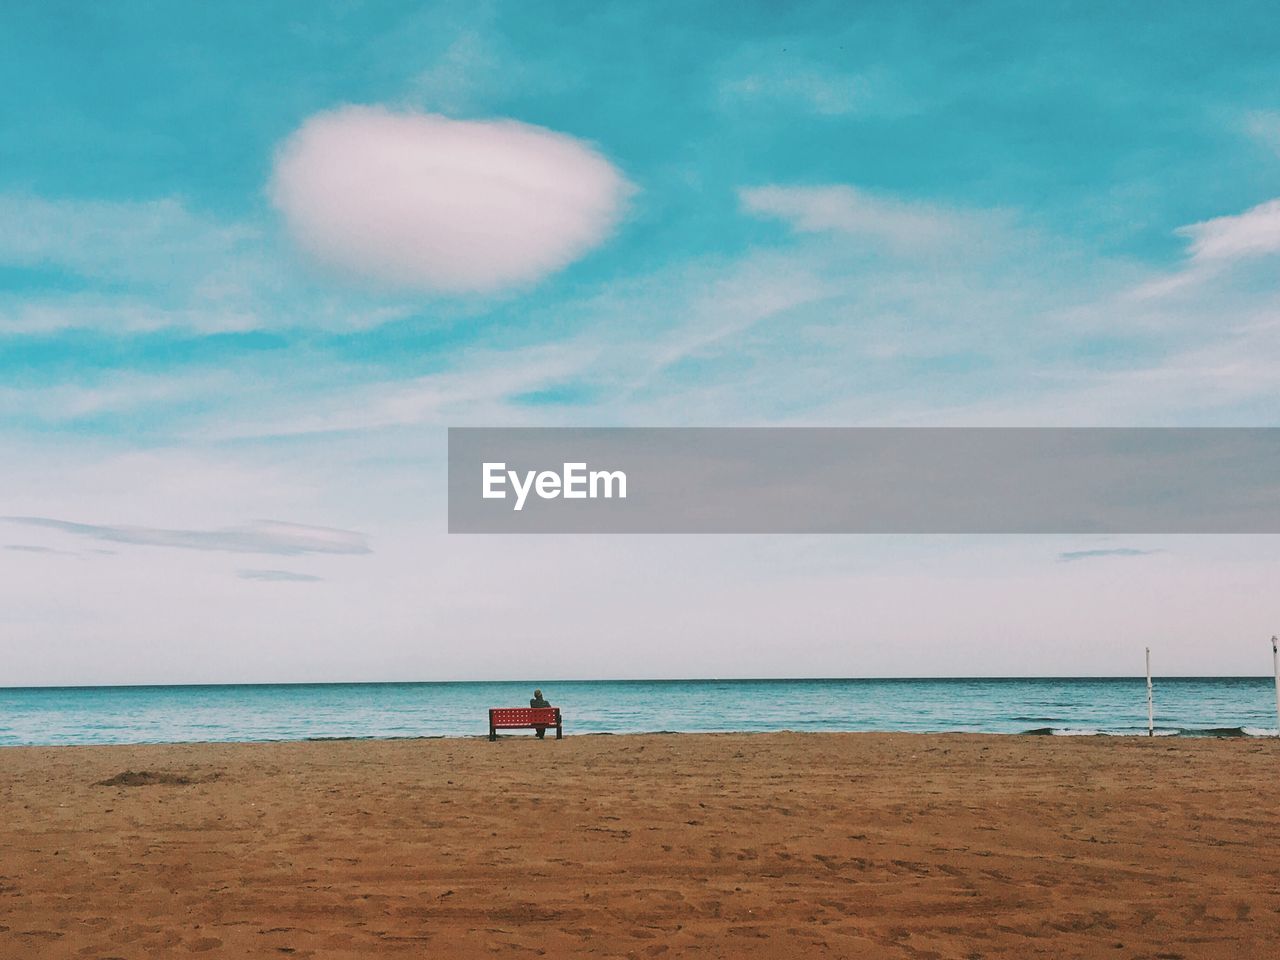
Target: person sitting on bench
(537,701)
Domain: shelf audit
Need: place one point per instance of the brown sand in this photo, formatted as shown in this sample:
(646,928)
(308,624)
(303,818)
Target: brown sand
(735,846)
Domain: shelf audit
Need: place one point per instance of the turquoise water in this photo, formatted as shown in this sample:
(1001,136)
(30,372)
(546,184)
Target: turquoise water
(1219,706)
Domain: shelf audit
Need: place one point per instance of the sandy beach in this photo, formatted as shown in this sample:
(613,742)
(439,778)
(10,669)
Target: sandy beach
(735,846)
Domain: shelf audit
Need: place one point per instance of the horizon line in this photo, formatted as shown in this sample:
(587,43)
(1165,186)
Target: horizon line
(884,679)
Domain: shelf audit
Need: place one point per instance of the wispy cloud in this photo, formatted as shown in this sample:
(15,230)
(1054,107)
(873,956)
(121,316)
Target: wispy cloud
(113,393)
(130,267)
(1252,233)
(844,209)
(1217,244)
(147,265)
(467,70)
(482,388)
(1264,126)
(828,93)
(260,536)
(121,315)
(278,576)
(1072,555)
(158,240)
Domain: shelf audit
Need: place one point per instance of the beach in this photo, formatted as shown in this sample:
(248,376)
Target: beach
(773,845)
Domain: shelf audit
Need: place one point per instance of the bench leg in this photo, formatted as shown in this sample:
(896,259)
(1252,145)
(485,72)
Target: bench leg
(493,734)
(559,732)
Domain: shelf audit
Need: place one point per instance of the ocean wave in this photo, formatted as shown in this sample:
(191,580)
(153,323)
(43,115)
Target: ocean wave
(1063,732)
(1221,732)
(1213,732)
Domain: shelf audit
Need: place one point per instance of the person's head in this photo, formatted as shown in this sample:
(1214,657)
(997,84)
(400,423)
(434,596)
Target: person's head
(537,694)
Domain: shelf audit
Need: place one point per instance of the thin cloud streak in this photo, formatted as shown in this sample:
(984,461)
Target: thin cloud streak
(278,576)
(260,536)
(1072,555)
(902,225)
(32,548)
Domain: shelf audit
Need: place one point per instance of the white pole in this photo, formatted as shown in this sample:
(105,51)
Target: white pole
(1275,666)
(1151,709)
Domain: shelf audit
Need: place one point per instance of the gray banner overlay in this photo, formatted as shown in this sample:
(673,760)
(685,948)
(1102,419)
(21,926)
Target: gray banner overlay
(864,480)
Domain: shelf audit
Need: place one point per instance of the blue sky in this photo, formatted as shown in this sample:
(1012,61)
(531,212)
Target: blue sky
(1092,137)
(810,213)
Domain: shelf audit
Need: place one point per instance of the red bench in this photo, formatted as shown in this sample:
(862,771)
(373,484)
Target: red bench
(524,718)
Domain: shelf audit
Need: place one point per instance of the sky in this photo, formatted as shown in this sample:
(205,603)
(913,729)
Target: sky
(256,257)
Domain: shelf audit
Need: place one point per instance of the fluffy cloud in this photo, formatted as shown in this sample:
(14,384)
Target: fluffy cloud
(424,202)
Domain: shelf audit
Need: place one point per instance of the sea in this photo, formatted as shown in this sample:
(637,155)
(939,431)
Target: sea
(1184,706)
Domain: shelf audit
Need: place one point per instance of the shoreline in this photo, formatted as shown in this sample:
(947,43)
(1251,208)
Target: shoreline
(1247,734)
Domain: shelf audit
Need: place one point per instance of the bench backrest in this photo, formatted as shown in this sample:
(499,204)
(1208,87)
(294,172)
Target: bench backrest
(524,716)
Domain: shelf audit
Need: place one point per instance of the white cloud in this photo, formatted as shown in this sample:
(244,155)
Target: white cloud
(840,208)
(424,202)
(1216,246)
(1254,232)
